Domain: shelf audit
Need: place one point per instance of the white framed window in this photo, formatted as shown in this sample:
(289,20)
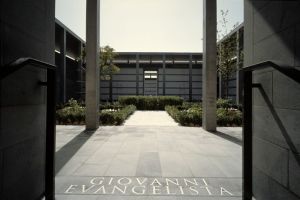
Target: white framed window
(150,75)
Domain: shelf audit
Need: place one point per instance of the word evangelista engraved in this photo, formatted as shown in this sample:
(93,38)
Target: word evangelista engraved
(148,186)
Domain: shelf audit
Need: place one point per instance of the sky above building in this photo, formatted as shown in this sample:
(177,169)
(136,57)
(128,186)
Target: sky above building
(148,25)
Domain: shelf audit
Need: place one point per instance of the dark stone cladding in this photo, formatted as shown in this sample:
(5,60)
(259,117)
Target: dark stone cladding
(271,34)
(26,30)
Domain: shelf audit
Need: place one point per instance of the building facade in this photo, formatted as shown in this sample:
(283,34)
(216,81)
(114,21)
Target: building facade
(153,74)
(142,73)
(70,72)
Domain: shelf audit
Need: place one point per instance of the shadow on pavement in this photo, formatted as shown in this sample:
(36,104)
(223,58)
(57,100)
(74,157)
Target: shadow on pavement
(63,155)
(228,137)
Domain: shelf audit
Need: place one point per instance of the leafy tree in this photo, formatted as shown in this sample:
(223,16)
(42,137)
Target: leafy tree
(226,61)
(107,67)
(226,53)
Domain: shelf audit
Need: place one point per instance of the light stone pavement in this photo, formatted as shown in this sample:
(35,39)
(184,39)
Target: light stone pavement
(150,118)
(148,161)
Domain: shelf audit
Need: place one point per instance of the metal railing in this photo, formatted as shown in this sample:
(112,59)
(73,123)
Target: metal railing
(290,72)
(16,65)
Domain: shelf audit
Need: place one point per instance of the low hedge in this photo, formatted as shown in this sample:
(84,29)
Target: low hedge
(229,117)
(228,104)
(114,105)
(151,102)
(192,116)
(73,113)
(109,114)
(186,117)
(189,117)
(117,117)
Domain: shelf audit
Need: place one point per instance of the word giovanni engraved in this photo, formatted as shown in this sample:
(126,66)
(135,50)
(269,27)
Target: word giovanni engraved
(151,186)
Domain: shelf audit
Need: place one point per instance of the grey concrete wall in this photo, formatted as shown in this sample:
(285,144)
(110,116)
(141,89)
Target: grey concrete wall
(124,83)
(26,30)
(197,82)
(178,80)
(272,32)
(232,88)
(72,79)
(69,72)
(176,84)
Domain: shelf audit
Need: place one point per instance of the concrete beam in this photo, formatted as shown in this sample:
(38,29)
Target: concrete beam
(209,65)
(92,64)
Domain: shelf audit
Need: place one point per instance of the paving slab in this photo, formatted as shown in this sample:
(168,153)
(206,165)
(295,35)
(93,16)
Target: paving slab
(148,162)
(149,165)
(150,118)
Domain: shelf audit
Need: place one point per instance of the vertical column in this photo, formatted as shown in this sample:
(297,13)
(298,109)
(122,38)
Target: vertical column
(92,62)
(82,77)
(110,83)
(237,67)
(79,73)
(50,136)
(220,75)
(62,66)
(220,85)
(137,61)
(209,65)
(247,136)
(164,74)
(190,78)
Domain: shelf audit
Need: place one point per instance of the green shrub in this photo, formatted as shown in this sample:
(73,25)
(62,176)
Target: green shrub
(107,118)
(229,117)
(173,111)
(150,102)
(169,101)
(128,100)
(109,114)
(228,103)
(190,114)
(189,117)
(115,106)
(116,117)
(73,113)
(224,103)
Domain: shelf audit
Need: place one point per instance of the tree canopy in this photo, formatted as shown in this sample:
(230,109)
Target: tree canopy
(107,67)
(226,52)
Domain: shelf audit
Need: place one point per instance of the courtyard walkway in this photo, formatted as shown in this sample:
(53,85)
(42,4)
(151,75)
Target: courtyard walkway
(148,161)
(150,118)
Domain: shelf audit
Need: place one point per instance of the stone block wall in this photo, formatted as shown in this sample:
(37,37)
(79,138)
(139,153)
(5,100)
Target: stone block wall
(272,32)
(26,30)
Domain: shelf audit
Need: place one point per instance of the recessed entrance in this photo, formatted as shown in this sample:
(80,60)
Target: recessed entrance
(150,82)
